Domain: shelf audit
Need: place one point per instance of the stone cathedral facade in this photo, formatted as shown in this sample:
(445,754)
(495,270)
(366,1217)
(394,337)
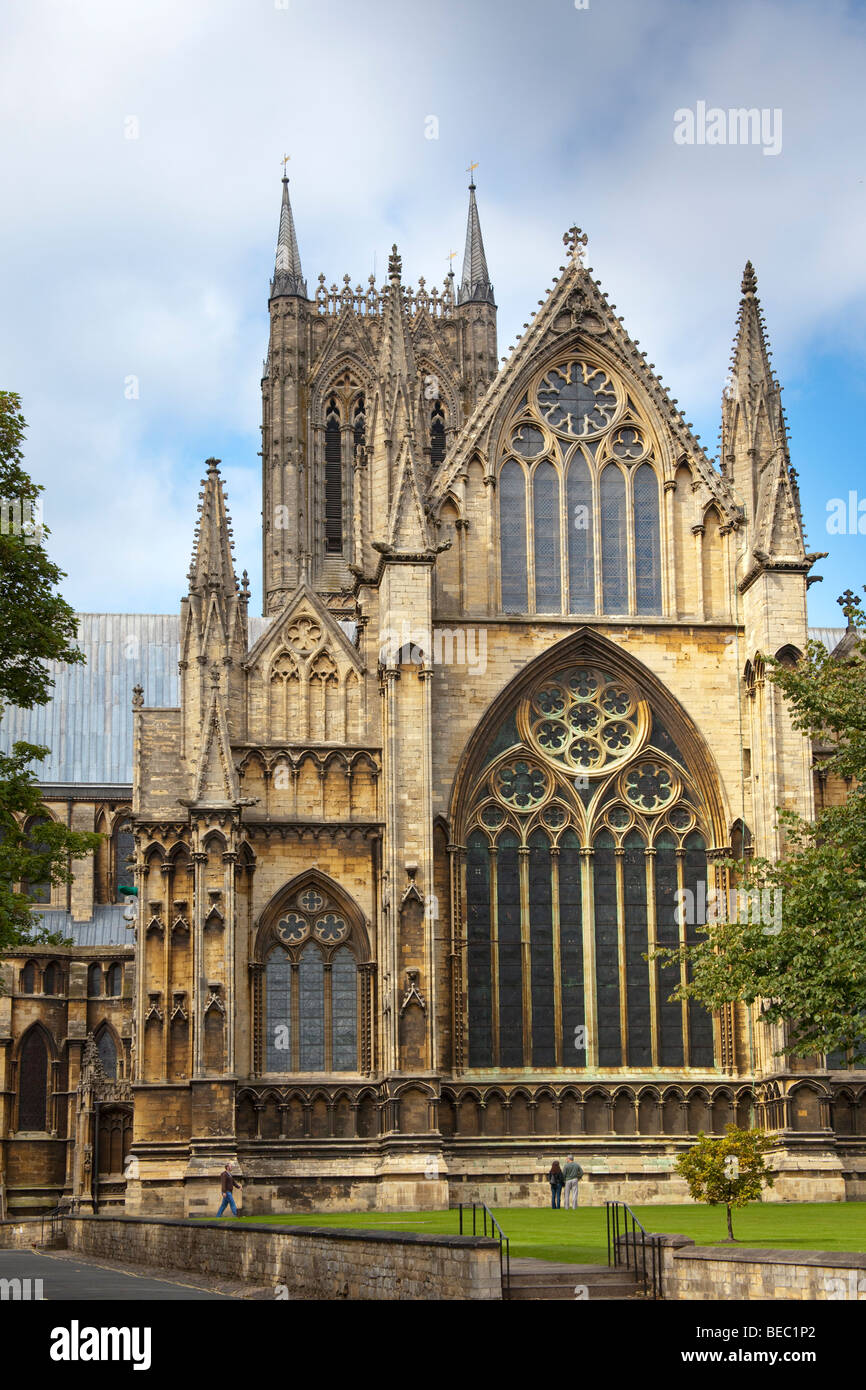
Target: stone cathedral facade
(402,844)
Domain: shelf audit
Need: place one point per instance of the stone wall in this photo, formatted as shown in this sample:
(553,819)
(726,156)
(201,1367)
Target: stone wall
(711,1273)
(309,1262)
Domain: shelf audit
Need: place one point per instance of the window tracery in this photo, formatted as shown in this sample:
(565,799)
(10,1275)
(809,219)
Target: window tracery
(579,499)
(584,829)
(311,1008)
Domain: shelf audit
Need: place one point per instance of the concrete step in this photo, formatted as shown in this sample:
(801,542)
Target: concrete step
(565,1293)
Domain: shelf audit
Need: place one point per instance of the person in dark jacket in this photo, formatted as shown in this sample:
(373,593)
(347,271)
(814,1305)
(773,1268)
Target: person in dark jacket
(556,1178)
(227,1182)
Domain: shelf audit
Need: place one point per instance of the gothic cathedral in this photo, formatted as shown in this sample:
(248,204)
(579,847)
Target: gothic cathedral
(403,844)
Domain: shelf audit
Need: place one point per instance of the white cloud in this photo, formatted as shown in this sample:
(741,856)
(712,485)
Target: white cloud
(151,256)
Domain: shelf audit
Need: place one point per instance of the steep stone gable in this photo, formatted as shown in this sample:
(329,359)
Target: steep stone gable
(577,312)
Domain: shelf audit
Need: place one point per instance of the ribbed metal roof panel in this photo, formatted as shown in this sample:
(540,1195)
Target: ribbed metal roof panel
(88,722)
(829,636)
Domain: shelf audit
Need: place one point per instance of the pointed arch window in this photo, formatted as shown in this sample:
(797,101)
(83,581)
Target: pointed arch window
(579,518)
(333,480)
(33,1083)
(94,980)
(647,541)
(545,518)
(614,541)
(107,1049)
(587,522)
(359,425)
(28,978)
(114,981)
(512,537)
(437,434)
(124,853)
(312,988)
(36,891)
(51,978)
(568,888)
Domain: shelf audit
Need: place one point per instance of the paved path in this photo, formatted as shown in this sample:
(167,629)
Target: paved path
(67,1279)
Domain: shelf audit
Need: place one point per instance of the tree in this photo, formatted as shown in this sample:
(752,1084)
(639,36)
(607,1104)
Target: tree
(729,1171)
(36,625)
(806,963)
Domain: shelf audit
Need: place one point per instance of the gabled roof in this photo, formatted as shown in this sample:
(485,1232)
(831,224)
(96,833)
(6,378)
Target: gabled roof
(577,302)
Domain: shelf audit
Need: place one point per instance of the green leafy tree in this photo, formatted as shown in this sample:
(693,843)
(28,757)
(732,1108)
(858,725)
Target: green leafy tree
(806,963)
(727,1172)
(36,625)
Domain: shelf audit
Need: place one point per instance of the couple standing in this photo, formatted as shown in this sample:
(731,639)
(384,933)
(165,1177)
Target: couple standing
(567,1178)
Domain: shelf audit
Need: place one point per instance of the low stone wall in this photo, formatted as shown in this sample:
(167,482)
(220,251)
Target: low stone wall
(707,1272)
(306,1262)
(22,1234)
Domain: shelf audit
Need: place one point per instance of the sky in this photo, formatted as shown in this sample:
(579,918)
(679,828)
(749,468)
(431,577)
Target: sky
(142,146)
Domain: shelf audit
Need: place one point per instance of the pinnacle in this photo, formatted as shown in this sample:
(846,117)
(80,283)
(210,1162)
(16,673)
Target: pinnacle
(475,283)
(750,279)
(288,276)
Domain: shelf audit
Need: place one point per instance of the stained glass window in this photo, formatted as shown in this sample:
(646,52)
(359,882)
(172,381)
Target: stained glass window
(107,1052)
(33,1083)
(547,883)
(311,982)
(510,952)
(545,509)
(344,1011)
(607,952)
(668,934)
(647,543)
(581,565)
(124,850)
(614,542)
(541,950)
(333,481)
(608,483)
(512,537)
(700,1022)
(636,945)
(571,951)
(478,950)
(278,1025)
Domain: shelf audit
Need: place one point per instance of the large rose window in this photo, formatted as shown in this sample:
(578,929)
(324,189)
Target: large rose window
(585,721)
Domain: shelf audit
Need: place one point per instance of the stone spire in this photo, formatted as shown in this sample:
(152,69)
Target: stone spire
(752,400)
(212,565)
(755,452)
(396,358)
(288,276)
(475,284)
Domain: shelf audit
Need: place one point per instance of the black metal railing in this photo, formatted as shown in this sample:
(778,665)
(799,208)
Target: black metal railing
(481,1215)
(630,1245)
(53,1220)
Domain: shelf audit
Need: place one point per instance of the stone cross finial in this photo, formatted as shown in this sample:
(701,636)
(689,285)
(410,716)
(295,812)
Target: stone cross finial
(395,264)
(575,241)
(137,696)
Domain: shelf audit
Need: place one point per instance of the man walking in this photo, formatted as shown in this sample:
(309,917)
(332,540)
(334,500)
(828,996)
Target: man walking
(227,1182)
(572,1173)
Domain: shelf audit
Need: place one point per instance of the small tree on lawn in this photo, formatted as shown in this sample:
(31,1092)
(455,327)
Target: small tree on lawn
(730,1170)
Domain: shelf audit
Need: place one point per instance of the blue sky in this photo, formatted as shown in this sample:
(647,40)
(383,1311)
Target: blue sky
(150,256)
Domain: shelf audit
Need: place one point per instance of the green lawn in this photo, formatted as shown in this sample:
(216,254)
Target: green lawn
(580,1237)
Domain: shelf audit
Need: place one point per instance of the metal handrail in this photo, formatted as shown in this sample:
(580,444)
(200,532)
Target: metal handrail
(651,1274)
(504,1243)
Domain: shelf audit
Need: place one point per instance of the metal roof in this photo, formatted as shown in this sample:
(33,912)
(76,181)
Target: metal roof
(87,724)
(829,636)
(107,927)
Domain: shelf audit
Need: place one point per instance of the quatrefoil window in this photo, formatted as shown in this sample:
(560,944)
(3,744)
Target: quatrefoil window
(310,900)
